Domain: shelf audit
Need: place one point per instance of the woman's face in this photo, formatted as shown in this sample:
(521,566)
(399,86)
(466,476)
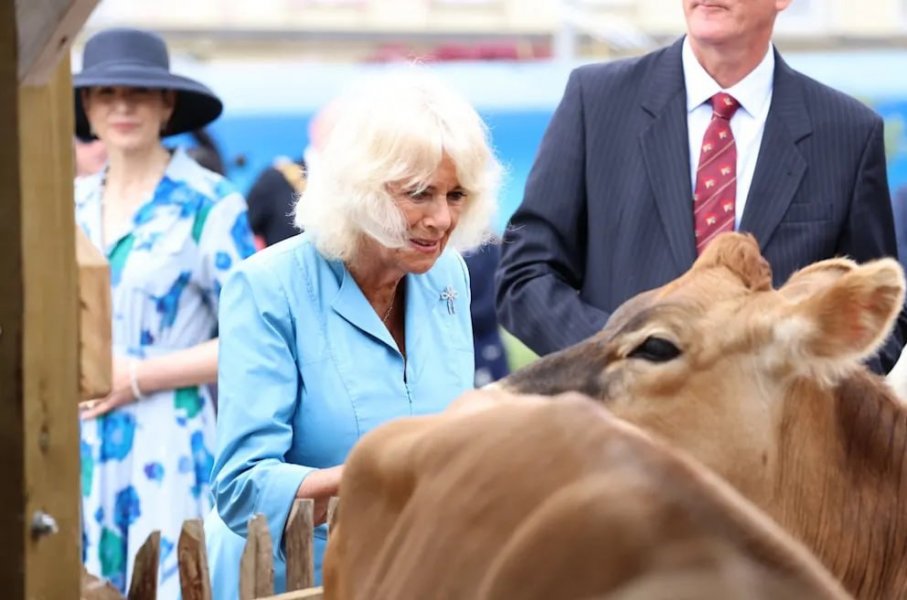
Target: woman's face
(431,215)
(128,118)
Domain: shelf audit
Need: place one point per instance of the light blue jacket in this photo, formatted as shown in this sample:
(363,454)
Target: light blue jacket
(306,369)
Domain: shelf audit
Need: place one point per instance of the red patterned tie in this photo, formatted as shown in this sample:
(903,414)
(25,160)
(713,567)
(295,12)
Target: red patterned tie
(716,176)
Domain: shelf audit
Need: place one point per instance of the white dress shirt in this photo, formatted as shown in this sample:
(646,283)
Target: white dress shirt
(753,92)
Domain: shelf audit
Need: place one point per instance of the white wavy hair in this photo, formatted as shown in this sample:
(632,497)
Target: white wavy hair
(397,130)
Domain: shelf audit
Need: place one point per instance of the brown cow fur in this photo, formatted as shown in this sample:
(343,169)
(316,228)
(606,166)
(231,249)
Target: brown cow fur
(540,500)
(769,391)
(842,482)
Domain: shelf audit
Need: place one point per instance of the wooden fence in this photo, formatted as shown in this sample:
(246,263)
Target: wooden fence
(256,575)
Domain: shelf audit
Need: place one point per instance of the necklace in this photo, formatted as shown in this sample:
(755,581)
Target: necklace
(390,308)
(387,314)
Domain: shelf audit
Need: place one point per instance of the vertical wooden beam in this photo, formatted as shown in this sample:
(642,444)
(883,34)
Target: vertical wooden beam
(12,317)
(50,343)
(39,441)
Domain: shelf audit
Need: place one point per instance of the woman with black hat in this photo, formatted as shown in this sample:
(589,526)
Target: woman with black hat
(172,231)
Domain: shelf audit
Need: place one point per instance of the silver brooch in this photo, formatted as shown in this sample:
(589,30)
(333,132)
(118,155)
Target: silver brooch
(449,294)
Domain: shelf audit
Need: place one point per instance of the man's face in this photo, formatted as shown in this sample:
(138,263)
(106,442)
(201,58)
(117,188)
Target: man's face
(726,22)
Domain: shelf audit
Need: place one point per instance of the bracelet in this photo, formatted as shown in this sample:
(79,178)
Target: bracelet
(134,380)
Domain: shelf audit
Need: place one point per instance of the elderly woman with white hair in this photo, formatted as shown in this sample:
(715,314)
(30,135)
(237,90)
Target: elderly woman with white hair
(361,319)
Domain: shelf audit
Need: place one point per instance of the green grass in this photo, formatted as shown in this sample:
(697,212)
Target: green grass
(518,355)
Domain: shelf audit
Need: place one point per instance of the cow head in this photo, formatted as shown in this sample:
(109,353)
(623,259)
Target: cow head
(708,360)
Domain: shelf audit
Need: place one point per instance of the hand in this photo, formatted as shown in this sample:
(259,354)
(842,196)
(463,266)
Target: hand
(120,392)
(320,511)
(320,486)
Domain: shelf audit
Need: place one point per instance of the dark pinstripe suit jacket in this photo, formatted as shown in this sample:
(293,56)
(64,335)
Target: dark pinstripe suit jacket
(607,211)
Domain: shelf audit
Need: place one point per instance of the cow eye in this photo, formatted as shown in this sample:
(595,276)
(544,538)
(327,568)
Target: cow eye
(655,349)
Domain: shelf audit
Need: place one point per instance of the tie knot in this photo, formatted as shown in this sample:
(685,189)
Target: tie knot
(724,105)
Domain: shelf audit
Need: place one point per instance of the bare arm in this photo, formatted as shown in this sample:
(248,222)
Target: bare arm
(184,368)
(193,366)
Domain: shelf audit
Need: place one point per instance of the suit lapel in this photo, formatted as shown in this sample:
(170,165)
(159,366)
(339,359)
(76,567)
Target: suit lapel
(780,166)
(666,153)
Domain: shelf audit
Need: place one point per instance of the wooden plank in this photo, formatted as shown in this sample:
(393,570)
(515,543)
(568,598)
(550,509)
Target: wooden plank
(309,594)
(144,573)
(298,543)
(12,318)
(50,336)
(45,31)
(195,580)
(95,355)
(256,568)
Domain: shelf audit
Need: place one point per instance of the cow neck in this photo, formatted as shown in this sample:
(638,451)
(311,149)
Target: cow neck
(841,483)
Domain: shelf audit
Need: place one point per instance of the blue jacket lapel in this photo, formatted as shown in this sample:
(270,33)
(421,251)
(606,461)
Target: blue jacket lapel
(423,300)
(351,304)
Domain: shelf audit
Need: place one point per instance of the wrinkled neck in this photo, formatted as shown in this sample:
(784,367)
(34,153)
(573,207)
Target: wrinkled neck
(729,64)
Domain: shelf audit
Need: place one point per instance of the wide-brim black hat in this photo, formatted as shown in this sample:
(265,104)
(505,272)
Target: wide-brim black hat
(137,58)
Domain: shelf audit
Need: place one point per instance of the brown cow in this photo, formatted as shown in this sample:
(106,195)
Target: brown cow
(539,500)
(766,387)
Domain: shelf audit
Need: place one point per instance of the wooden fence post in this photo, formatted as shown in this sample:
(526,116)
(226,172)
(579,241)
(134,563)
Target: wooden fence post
(298,543)
(39,434)
(256,579)
(195,580)
(144,573)
(256,569)
(39,441)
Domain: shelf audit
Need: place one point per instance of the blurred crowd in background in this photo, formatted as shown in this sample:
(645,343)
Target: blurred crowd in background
(276,65)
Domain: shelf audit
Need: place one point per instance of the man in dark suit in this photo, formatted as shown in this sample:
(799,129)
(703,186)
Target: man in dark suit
(899,206)
(646,160)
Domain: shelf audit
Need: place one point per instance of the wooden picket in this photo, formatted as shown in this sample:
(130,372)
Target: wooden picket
(256,567)
(299,546)
(144,573)
(195,580)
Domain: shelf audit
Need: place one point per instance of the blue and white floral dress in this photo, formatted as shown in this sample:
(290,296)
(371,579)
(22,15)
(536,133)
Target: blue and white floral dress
(146,466)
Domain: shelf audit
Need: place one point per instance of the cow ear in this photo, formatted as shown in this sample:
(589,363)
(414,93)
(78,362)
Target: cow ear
(817,276)
(848,317)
